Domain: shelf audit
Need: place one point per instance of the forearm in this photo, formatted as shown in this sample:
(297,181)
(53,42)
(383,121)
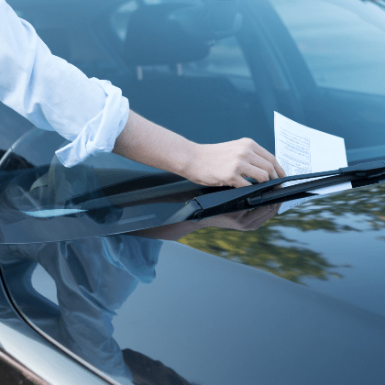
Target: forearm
(222,164)
(153,145)
(246,220)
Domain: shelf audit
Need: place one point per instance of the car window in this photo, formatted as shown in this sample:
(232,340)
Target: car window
(202,89)
(317,62)
(225,58)
(342,42)
(209,90)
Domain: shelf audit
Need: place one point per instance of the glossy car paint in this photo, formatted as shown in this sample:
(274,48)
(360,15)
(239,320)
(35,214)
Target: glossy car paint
(34,352)
(297,301)
(221,319)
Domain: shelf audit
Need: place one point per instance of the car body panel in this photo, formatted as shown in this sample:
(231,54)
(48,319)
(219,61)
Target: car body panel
(31,350)
(213,320)
(295,300)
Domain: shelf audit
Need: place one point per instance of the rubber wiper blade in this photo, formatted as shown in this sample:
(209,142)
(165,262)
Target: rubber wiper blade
(250,196)
(119,215)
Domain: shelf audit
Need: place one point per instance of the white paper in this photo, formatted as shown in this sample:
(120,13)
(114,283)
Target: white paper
(303,150)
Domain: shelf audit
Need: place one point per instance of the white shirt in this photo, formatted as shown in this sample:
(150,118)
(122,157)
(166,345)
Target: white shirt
(55,95)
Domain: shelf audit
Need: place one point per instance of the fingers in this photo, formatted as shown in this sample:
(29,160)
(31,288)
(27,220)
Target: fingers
(259,216)
(256,173)
(238,181)
(267,169)
(245,220)
(229,163)
(259,163)
(267,156)
(268,212)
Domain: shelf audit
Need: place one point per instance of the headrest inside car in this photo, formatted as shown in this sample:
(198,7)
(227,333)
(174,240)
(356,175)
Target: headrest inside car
(154,39)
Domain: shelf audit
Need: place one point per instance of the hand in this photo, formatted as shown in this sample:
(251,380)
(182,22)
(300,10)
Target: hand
(246,220)
(222,164)
(229,163)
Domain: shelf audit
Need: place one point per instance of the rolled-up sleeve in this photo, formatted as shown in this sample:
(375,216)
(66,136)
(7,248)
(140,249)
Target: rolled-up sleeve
(55,95)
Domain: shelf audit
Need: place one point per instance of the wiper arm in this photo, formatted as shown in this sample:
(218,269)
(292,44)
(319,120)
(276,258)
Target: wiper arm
(257,194)
(34,227)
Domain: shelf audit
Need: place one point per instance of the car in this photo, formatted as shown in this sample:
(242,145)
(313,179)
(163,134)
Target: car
(109,272)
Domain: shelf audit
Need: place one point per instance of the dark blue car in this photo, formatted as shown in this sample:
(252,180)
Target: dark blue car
(109,272)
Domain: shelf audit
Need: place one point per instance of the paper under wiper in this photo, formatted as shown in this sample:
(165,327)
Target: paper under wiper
(303,150)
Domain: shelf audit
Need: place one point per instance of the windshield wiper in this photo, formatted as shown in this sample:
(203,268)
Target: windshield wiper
(262,193)
(117,214)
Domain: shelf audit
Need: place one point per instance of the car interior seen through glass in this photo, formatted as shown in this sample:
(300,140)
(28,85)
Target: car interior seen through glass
(250,296)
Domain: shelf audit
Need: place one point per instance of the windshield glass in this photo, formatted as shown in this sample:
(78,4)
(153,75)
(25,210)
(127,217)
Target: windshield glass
(342,42)
(73,265)
(317,62)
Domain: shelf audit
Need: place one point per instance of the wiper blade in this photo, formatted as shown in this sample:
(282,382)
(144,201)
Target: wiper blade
(100,217)
(261,193)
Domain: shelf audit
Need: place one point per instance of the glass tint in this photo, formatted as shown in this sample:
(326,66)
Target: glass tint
(341,42)
(316,62)
(319,63)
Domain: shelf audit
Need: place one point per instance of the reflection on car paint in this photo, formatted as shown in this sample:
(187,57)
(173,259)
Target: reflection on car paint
(270,248)
(93,278)
(224,323)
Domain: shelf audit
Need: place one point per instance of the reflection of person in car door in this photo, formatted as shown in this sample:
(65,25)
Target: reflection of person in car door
(94,277)
(95,117)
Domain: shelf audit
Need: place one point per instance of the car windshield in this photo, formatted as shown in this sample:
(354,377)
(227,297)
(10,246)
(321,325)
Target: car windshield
(73,265)
(319,62)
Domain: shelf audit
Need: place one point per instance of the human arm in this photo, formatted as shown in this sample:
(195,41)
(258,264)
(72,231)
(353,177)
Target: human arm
(246,220)
(222,164)
(55,95)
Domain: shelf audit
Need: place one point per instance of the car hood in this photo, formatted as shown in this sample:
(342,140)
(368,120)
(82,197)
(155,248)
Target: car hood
(299,300)
(334,245)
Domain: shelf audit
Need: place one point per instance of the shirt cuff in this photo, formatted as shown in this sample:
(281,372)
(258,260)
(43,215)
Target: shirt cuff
(100,133)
